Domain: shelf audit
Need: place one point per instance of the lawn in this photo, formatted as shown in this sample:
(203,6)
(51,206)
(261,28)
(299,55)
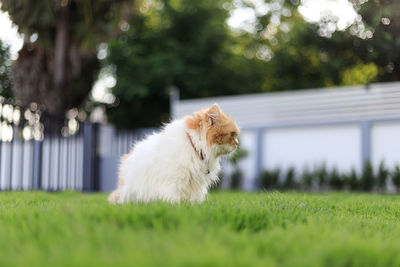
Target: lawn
(229,229)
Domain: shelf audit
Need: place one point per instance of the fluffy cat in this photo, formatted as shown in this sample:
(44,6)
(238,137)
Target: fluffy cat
(180,163)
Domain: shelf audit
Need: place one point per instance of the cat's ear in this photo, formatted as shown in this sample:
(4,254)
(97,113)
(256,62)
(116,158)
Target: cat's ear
(213,114)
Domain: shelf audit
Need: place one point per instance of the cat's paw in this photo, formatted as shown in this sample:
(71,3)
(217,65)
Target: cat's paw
(114,197)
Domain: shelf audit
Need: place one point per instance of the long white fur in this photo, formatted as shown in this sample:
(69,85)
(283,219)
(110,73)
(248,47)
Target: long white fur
(166,167)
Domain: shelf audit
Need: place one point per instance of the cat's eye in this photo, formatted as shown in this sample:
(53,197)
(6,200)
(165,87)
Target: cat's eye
(233,134)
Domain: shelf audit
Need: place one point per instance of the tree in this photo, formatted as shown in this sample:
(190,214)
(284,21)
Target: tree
(5,66)
(290,49)
(299,59)
(179,43)
(58,69)
(187,44)
(378,36)
(309,55)
(368,50)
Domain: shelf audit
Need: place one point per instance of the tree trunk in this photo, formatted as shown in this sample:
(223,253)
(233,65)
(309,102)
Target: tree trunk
(42,76)
(56,103)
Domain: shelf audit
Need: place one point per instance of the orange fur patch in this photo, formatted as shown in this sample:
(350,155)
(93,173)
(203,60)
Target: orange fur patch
(220,128)
(194,122)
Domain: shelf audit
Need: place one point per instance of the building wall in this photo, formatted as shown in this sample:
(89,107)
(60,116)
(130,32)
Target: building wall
(385,143)
(340,127)
(336,146)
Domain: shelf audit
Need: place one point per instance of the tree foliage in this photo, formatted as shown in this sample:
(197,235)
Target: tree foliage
(57,64)
(180,43)
(5,69)
(187,44)
(378,35)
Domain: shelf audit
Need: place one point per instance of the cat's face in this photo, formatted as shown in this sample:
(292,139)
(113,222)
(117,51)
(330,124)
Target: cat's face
(221,130)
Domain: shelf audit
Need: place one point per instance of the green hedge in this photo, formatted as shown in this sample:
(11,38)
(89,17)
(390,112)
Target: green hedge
(322,178)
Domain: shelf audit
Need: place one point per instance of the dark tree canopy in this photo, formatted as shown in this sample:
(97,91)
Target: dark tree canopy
(59,68)
(181,43)
(5,69)
(379,40)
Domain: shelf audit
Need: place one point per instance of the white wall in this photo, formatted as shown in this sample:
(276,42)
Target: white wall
(385,144)
(248,142)
(336,146)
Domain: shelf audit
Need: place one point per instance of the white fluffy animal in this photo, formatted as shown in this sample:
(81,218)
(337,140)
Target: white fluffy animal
(178,164)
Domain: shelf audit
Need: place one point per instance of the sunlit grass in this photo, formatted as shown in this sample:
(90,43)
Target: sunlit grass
(229,229)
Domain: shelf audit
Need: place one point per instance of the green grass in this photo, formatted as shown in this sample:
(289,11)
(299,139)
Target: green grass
(229,229)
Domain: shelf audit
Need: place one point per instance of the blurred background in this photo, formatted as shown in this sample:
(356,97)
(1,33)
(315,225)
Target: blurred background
(312,84)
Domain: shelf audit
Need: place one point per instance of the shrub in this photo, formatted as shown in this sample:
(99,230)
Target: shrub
(396,177)
(322,175)
(367,177)
(335,180)
(353,180)
(238,155)
(236,179)
(383,174)
(367,180)
(290,181)
(270,179)
(307,178)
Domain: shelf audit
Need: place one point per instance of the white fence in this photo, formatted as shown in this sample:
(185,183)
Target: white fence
(112,144)
(54,163)
(85,159)
(340,127)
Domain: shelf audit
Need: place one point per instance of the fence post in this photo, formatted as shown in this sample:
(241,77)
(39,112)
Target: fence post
(173,100)
(37,165)
(365,142)
(9,186)
(259,155)
(90,177)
